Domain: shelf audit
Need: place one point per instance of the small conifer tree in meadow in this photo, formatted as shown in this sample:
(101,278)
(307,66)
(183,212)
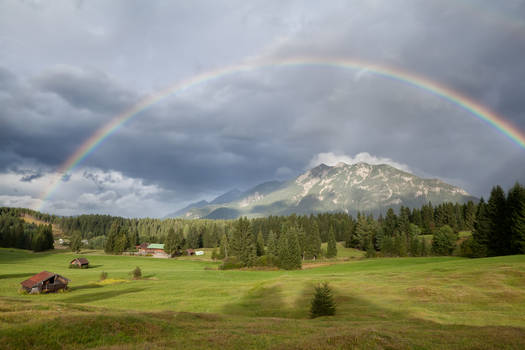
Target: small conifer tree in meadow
(323,303)
(137,273)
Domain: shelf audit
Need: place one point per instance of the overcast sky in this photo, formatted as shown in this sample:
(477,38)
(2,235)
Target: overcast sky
(69,67)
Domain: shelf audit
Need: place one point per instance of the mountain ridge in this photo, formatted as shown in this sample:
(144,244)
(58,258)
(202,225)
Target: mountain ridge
(340,188)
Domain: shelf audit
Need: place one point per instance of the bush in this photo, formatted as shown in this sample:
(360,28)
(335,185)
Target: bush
(323,303)
(230,263)
(103,275)
(136,273)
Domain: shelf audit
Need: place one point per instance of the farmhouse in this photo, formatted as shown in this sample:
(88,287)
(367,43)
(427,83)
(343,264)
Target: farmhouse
(83,263)
(44,282)
(142,248)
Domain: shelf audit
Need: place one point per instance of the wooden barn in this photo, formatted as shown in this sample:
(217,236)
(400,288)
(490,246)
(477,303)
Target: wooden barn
(45,282)
(82,263)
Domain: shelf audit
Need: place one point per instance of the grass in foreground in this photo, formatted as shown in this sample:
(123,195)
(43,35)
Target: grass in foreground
(393,303)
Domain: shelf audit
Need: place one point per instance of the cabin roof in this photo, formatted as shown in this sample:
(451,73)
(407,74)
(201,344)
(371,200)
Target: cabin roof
(82,261)
(38,278)
(156,246)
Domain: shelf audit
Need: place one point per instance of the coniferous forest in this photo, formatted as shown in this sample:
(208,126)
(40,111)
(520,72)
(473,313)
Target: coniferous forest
(497,226)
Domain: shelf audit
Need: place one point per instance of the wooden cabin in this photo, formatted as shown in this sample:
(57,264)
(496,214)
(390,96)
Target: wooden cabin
(45,282)
(82,263)
(142,248)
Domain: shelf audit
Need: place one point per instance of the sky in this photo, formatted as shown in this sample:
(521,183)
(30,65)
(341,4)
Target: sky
(68,68)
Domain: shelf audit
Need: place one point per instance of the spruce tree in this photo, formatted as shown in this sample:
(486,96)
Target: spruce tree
(331,250)
(76,242)
(444,241)
(499,238)
(323,303)
(481,233)
(260,244)
(224,247)
(112,237)
(289,250)
(516,218)
(272,244)
(173,242)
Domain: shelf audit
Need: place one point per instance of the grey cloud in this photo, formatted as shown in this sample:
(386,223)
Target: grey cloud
(30,177)
(86,89)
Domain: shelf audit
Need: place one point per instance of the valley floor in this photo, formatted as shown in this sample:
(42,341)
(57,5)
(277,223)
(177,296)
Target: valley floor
(397,303)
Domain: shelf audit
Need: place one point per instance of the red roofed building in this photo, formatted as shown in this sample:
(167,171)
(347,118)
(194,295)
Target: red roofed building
(45,282)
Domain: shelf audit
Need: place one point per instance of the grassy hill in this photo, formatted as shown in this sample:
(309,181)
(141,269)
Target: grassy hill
(397,303)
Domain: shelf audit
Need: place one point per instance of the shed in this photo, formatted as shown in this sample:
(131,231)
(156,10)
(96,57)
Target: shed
(80,262)
(45,281)
(190,252)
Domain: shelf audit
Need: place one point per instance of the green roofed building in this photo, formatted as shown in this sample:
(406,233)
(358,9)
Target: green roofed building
(156,246)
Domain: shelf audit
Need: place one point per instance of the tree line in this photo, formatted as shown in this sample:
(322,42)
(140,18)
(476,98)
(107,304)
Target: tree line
(499,228)
(15,233)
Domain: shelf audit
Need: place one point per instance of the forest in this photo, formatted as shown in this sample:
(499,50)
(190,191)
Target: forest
(497,226)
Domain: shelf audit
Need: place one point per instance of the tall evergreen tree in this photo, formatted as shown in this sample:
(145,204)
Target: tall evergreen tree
(260,244)
(272,244)
(76,242)
(499,239)
(331,251)
(516,219)
(481,233)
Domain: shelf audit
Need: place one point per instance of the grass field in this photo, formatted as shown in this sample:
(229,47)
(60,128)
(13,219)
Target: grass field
(395,303)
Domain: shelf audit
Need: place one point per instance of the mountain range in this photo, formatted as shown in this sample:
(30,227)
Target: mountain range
(341,188)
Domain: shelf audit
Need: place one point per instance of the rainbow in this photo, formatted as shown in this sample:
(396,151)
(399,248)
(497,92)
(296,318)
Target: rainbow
(395,74)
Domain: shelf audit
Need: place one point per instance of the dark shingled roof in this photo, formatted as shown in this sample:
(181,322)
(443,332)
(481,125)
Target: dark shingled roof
(39,277)
(82,261)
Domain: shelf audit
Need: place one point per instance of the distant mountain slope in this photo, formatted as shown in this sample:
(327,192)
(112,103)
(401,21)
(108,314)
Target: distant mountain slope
(348,188)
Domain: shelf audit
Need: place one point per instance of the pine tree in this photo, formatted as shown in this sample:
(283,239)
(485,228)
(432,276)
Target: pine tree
(260,244)
(323,303)
(76,242)
(499,238)
(331,250)
(173,242)
(224,247)
(112,237)
(481,233)
(390,223)
(272,244)
(289,250)
(516,218)
(444,241)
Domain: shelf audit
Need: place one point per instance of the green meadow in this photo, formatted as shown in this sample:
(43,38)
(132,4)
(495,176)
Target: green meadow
(384,303)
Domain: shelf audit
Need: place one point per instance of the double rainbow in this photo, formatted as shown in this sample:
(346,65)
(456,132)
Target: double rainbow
(396,74)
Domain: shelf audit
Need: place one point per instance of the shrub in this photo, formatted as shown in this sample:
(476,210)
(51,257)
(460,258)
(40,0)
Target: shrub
(230,263)
(323,301)
(103,275)
(136,273)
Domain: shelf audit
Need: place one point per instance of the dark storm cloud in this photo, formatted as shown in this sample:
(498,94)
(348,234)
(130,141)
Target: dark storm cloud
(249,127)
(91,90)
